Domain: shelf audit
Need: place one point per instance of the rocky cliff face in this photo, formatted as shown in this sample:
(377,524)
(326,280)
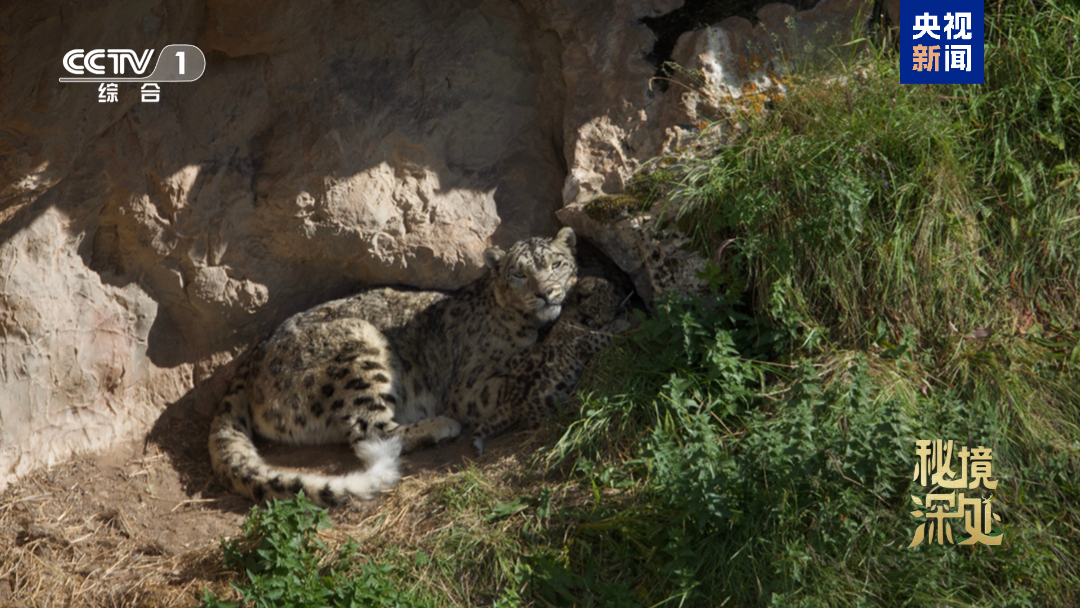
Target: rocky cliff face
(329,145)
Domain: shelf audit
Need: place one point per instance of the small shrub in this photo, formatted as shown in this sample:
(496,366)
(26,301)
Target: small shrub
(284,564)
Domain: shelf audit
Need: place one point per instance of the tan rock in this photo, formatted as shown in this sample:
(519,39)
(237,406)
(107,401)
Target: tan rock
(733,64)
(328,146)
(73,362)
(737,64)
(646,246)
(609,97)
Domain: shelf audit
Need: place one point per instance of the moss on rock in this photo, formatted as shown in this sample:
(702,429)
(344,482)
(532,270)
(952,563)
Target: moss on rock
(608,207)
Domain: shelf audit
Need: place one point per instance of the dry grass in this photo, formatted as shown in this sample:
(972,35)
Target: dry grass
(141,526)
(86,535)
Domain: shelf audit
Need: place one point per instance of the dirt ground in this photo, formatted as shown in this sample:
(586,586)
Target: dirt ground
(141,525)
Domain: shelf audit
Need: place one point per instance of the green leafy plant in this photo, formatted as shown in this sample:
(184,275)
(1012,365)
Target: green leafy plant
(903,267)
(284,564)
(910,286)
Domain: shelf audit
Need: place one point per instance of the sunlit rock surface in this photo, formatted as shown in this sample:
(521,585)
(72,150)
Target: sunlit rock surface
(328,146)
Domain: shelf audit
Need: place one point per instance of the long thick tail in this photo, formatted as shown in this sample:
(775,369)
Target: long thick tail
(238,464)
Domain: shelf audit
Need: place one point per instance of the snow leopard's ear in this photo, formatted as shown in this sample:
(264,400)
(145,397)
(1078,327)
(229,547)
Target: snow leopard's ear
(567,237)
(492,257)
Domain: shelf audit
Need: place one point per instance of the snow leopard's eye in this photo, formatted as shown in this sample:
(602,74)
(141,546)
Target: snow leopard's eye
(518,275)
(557,264)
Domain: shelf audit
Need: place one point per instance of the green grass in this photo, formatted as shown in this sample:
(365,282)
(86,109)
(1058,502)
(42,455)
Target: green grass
(904,267)
(865,203)
(907,256)
(282,563)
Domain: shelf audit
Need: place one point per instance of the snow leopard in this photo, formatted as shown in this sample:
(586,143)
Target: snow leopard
(378,370)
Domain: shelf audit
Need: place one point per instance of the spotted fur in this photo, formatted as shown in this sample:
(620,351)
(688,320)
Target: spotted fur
(378,369)
(529,386)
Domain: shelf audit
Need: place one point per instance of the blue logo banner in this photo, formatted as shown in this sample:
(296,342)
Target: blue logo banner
(941,42)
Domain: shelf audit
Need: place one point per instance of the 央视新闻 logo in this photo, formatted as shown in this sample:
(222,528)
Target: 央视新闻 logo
(941,42)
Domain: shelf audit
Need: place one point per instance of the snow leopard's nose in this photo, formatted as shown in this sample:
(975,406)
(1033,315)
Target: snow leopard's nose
(547,294)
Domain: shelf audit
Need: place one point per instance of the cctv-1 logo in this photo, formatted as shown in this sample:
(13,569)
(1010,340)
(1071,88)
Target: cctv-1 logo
(175,63)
